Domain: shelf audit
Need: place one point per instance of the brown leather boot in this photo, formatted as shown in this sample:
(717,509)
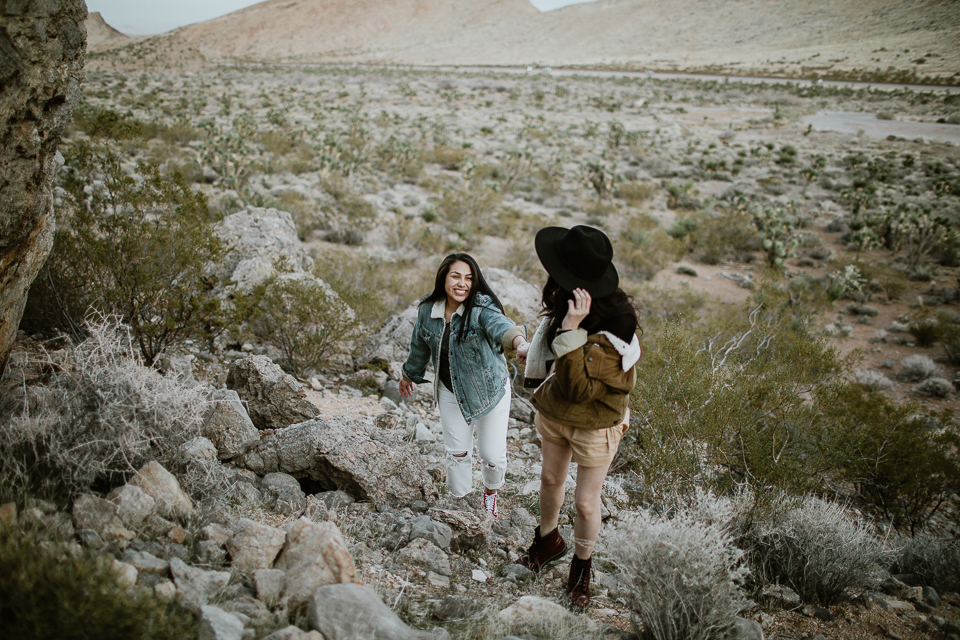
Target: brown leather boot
(578,584)
(543,550)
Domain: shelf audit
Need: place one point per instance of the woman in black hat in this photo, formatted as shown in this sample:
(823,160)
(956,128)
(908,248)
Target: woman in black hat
(582,361)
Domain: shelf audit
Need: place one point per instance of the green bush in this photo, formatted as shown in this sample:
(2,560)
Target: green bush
(304,318)
(900,460)
(722,404)
(51,591)
(723,234)
(136,247)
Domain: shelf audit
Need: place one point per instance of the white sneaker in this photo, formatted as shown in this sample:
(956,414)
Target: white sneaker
(490,504)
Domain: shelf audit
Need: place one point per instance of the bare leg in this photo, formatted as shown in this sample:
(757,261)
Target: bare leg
(556,462)
(587,500)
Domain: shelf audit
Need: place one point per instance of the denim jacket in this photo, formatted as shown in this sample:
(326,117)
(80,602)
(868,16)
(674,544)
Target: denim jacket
(478,368)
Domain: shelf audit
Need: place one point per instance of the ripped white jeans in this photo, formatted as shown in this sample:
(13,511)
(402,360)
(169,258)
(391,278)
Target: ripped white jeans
(458,441)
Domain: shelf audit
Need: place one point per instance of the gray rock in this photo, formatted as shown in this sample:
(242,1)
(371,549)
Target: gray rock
(426,555)
(179,366)
(133,505)
(314,555)
(41,68)
(255,238)
(254,545)
(335,500)
(90,538)
(162,486)
(438,533)
(455,608)
(228,426)
(288,633)
(931,597)
(282,493)
(268,585)
(469,530)
(92,512)
(391,391)
(350,611)
(535,615)
(217,624)
(392,343)
(820,613)
(367,463)
(196,587)
(744,629)
(522,411)
(780,596)
(518,572)
(146,563)
(274,399)
(210,553)
(199,449)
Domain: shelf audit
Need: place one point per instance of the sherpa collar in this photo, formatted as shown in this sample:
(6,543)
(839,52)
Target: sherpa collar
(439,310)
(629,353)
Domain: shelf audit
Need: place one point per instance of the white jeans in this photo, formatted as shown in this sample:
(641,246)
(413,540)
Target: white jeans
(458,441)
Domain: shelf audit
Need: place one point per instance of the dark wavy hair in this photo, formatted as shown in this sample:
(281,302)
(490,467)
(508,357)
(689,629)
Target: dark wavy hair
(479,286)
(615,313)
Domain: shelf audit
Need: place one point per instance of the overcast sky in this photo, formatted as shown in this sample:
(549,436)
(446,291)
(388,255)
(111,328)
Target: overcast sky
(145,17)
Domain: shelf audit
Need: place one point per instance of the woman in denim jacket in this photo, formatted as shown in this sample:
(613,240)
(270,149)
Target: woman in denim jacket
(461,329)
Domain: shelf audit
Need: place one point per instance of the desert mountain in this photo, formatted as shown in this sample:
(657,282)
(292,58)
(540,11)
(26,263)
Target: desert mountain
(787,36)
(100,35)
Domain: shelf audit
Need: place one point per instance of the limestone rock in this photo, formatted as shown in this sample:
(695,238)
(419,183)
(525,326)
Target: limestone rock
(254,545)
(162,486)
(425,527)
(426,555)
(314,555)
(275,400)
(268,585)
(41,68)
(217,624)
(133,505)
(470,531)
(349,611)
(535,615)
(228,426)
(255,238)
(196,587)
(145,562)
(91,512)
(358,458)
(515,294)
(744,629)
(283,494)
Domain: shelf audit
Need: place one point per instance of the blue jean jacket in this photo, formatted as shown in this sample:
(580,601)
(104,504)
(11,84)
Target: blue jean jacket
(478,368)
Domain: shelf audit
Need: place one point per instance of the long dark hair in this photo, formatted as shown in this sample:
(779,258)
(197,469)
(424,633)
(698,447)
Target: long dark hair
(479,285)
(615,313)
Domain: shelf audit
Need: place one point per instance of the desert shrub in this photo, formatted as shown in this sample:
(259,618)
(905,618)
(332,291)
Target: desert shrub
(817,549)
(600,176)
(925,329)
(934,388)
(935,561)
(683,574)
(949,334)
(645,248)
(682,195)
(918,367)
(471,207)
(722,404)
(137,247)
(724,234)
(861,309)
(778,236)
(227,151)
(635,192)
(101,417)
(845,283)
(899,460)
(874,379)
(303,317)
(49,590)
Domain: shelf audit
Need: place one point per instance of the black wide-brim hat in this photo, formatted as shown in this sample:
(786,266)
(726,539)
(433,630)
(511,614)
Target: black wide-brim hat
(578,258)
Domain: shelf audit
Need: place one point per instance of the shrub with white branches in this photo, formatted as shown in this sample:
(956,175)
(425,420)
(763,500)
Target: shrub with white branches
(684,574)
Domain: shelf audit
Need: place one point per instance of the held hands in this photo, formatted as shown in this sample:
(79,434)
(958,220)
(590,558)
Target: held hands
(406,388)
(577,310)
(522,352)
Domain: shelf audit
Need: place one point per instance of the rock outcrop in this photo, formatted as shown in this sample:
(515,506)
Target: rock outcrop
(41,68)
(274,399)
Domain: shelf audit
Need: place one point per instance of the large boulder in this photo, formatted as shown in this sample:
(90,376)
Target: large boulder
(97,514)
(161,485)
(274,399)
(255,239)
(313,555)
(41,68)
(228,426)
(254,545)
(348,611)
(516,294)
(366,462)
(196,587)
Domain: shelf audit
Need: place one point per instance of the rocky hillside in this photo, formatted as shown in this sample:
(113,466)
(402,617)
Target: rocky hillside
(889,38)
(100,35)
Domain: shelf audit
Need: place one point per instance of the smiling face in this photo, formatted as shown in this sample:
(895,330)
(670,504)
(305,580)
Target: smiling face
(458,283)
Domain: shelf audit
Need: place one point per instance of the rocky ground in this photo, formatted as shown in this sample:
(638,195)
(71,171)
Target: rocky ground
(367,177)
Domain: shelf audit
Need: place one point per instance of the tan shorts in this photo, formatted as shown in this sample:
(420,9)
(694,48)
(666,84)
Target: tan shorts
(591,447)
